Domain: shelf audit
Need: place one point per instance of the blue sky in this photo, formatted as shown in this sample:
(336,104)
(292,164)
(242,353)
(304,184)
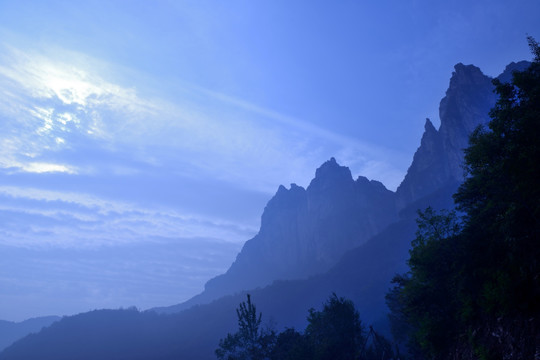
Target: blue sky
(141,140)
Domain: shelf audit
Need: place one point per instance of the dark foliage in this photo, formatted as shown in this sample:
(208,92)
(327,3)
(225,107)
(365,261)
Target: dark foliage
(333,333)
(251,341)
(291,345)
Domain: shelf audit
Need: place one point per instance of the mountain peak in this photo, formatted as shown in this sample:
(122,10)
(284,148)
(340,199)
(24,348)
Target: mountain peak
(331,169)
(466,105)
(284,195)
(439,159)
(332,163)
(428,127)
(465,76)
(461,69)
(281,189)
(507,74)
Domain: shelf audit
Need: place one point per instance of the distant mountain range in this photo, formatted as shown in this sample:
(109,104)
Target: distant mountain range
(338,235)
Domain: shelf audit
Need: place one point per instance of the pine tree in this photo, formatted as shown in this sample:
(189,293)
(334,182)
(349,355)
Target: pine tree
(251,341)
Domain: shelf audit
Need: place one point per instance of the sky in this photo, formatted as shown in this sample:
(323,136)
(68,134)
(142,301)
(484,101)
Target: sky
(141,140)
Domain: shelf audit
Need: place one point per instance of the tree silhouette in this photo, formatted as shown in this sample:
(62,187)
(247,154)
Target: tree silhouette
(250,342)
(335,332)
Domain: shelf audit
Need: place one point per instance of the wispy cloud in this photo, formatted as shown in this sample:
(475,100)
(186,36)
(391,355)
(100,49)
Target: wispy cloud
(60,105)
(311,142)
(39,218)
(43,77)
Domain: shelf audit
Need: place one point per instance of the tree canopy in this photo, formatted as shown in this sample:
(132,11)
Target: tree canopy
(333,333)
(251,341)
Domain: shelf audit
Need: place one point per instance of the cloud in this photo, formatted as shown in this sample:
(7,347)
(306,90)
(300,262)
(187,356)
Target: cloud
(365,159)
(64,104)
(43,77)
(40,167)
(39,218)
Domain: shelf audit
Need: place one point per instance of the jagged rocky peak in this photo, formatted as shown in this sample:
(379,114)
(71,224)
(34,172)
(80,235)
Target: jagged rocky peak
(329,174)
(427,171)
(370,192)
(284,195)
(365,182)
(506,76)
(465,74)
(285,203)
(373,185)
(430,138)
(306,231)
(439,159)
(466,105)
(430,144)
(428,127)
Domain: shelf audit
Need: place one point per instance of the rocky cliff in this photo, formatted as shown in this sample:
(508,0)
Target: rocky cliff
(439,159)
(306,231)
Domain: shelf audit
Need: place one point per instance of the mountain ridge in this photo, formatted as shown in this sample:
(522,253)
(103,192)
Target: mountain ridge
(304,232)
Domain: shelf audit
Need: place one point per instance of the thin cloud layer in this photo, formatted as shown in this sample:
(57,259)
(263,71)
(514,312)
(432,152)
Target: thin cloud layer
(40,218)
(61,105)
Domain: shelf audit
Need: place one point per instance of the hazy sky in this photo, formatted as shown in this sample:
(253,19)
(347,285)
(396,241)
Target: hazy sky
(141,140)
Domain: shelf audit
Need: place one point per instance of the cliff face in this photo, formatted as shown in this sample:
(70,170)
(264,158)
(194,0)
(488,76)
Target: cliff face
(429,169)
(466,105)
(306,231)
(439,159)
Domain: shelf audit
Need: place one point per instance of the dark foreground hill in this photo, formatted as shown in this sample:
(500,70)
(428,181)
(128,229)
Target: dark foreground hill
(290,247)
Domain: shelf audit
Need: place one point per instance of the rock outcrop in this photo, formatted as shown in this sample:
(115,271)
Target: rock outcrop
(306,231)
(439,159)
